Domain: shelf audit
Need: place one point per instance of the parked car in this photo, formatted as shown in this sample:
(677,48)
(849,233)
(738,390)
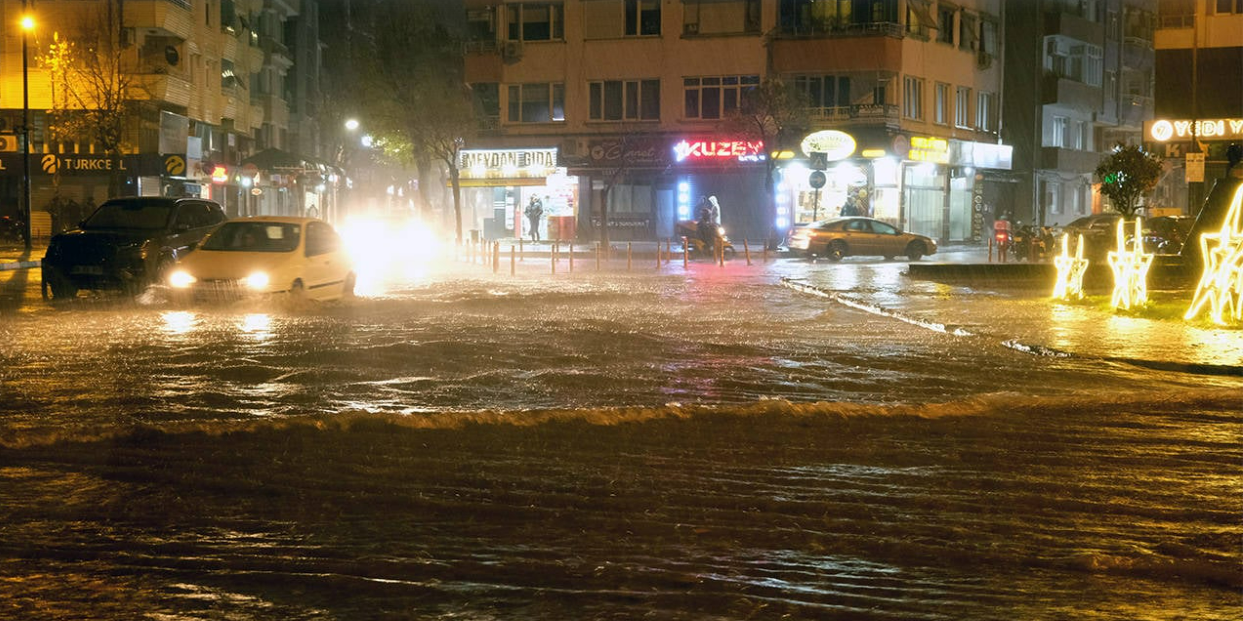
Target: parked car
(264,255)
(836,238)
(1100,232)
(1167,234)
(127,243)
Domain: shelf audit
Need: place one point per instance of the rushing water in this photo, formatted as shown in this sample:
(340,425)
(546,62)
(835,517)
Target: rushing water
(709,445)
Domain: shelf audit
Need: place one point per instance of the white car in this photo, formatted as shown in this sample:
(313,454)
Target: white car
(301,257)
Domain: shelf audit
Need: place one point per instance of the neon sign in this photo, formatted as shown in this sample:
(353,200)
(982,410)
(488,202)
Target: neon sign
(1221,284)
(1163,130)
(709,150)
(928,149)
(220,174)
(1070,271)
(1130,269)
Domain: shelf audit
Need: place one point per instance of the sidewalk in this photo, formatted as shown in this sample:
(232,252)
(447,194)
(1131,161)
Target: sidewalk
(16,257)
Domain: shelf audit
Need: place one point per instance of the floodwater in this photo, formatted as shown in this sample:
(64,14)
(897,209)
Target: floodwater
(715,443)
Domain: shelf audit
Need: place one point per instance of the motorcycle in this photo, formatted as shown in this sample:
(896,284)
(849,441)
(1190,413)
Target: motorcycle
(1031,244)
(11,230)
(688,230)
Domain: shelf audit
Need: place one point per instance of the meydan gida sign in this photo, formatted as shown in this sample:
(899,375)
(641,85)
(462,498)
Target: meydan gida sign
(507,163)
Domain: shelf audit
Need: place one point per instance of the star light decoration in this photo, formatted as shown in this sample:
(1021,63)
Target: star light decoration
(1221,284)
(1130,269)
(1070,271)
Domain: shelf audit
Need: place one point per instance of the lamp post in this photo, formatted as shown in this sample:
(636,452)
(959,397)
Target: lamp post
(28,24)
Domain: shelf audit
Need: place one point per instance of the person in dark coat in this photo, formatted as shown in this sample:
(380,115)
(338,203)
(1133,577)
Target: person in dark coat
(533,212)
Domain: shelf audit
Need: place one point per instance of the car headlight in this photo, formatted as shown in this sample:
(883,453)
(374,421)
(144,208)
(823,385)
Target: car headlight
(180,279)
(258,280)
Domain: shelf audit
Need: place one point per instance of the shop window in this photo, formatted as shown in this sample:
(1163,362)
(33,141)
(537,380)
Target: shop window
(720,16)
(940,112)
(536,103)
(630,100)
(716,97)
(962,107)
(913,103)
(945,24)
(536,21)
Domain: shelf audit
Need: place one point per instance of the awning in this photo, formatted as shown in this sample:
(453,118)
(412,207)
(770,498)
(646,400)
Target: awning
(276,159)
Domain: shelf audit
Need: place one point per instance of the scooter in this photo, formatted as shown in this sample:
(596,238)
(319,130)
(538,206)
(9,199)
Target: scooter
(688,230)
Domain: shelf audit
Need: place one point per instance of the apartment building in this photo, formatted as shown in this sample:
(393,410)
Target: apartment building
(205,90)
(1199,96)
(1079,81)
(636,98)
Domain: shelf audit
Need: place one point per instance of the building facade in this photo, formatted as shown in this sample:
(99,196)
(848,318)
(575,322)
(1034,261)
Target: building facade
(203,91)
(1199,96)
(638,101)
(1087,66)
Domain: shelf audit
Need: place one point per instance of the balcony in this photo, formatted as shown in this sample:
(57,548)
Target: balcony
(860,114)
(1073,26)
(275,52)
(837,54)
(1056,89)
(831,30)
(170,18)
(1137,53)
(170,89)
(1068,160)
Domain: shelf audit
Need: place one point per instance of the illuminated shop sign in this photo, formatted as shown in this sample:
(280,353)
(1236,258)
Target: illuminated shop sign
(717,150)
(1211,129)
(928,149)
(220,174)
(481,163)
(833,144)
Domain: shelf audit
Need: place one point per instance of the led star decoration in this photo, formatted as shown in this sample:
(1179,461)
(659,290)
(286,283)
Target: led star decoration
(1130,269)
(1221,284)
(1070,271)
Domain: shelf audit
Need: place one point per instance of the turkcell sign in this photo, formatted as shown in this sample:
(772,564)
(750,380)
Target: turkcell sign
(717,150)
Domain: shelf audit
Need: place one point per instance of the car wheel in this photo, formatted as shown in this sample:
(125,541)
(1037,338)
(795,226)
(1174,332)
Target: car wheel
(162,270)
(347,290)
(835,251)
(914,251)
(57,285)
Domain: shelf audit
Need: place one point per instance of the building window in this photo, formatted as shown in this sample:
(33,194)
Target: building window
(716,97)
(536,21)
(1061,126)
(629,100)
(1227,7)
(1073,60)
(913,103)
(967,29)
(962,107)
(919,18)
(642,18)
(988,36)
(540,102)
(945,24)
(720,17)
(940,111)
(984,112)
(487,97)
(824,91)
(228,77)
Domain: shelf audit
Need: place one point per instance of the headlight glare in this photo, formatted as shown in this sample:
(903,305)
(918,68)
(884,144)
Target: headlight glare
(258,280)
(180,279)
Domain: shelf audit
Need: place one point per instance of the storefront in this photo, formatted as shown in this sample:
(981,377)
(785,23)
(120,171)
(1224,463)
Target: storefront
(923,184)
(653,182)
(499,184)
(1191,172)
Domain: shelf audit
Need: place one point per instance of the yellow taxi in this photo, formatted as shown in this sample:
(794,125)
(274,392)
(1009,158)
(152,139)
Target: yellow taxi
(264,255)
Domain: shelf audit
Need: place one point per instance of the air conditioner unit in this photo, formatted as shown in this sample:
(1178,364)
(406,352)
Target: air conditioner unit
(983,60)
(512,50)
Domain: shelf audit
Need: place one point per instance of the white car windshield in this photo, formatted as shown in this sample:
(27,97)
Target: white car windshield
(254,237)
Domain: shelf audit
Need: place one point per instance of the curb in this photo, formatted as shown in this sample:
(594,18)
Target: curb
(20,265)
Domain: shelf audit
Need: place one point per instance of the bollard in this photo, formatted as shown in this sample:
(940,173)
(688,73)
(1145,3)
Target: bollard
(720,249)
(746,251)
(764,253)
(521,250)
(686,253)
(658,257)
(628,254)
(668,249)
(990,250)
(571,257)
(552,256)
(513,260)
(597,257)
(496,257)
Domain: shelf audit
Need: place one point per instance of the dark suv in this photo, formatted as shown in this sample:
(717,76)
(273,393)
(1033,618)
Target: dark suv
(127,243)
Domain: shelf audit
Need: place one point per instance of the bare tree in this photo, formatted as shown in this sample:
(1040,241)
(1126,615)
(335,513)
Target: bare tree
(95,92)
(777,114)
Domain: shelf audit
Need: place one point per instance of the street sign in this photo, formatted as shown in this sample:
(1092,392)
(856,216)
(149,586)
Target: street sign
(819,160)
(1195,168)
(817,179)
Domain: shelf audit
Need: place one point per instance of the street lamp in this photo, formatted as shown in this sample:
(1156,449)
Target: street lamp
(28,24)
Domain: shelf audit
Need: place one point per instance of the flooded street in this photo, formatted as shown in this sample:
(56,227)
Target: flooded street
(790,440)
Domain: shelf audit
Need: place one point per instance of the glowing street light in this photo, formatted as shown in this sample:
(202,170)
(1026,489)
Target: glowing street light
(27,24)
(351,124)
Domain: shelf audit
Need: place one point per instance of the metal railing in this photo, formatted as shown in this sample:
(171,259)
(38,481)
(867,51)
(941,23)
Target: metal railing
(832,30)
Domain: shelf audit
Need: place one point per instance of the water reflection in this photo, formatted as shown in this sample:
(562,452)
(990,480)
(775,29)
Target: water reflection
(258,326)
(179,322)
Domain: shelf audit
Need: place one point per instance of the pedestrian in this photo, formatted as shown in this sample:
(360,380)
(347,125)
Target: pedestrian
(533,212)
(312,211)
